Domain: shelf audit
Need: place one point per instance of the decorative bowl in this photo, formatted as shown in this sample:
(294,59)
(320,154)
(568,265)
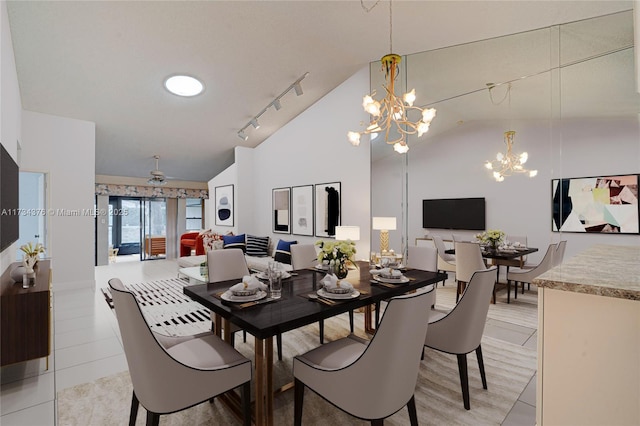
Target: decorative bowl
(245,292)
(338,290)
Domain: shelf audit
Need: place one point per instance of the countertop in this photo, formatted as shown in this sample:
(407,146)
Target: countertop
(603,270)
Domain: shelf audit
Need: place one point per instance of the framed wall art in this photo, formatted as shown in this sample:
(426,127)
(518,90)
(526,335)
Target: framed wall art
(328,208)
(302,212)
(281,210)
(601,204)
(224,205)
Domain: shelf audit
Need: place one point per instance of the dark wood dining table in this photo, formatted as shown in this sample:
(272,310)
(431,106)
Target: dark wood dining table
(293,310)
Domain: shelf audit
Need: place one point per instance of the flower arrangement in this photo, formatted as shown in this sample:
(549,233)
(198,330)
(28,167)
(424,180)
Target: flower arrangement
(338,254)
(493,237)
(31,250)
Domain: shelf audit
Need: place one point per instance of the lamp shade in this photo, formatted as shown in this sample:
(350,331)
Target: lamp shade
(384,223)
(348,233)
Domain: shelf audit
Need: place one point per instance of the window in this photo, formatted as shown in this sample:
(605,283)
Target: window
(194,214)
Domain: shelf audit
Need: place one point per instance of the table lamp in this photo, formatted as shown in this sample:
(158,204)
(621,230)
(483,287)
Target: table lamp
(347,233)
(384,225)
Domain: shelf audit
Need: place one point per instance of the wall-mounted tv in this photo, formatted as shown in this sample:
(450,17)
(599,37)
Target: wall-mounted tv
(9,175)
(454,213)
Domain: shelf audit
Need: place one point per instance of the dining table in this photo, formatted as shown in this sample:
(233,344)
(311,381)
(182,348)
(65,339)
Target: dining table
(303,302)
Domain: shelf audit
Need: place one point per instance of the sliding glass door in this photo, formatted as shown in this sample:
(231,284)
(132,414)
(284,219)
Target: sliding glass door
(154,224)
(138,226)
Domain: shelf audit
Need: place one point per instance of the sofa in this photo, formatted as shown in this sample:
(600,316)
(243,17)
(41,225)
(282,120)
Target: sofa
(255,263)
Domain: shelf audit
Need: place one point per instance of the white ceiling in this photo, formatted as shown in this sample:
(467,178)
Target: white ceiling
(105,62)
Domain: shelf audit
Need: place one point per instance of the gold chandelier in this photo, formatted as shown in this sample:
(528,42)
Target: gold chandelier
(391,113)
(509,163)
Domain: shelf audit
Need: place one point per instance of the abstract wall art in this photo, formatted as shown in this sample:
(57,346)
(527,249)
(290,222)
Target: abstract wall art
(327,199)
(302,210)
(282,210)
(603,204)
(224,205)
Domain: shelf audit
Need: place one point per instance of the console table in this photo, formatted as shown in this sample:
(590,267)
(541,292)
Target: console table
(25,316)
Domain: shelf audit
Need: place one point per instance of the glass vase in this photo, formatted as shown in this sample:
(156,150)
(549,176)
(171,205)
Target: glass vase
(340,270)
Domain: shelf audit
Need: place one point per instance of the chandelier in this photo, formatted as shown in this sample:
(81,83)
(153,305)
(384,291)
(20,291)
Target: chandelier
(390,114)
(509,163)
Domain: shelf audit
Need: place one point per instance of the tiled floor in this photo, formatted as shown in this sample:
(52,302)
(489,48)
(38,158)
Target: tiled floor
(87,346)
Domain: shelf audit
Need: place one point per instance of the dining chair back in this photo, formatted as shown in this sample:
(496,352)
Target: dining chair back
(424,258)
(370,380)
(468,261)
(226,264)
(446,262)
(558,257)
(303,256)
(173,373)
(523,276)
(460,331)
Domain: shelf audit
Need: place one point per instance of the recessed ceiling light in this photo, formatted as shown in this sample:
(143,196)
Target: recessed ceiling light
(183,85)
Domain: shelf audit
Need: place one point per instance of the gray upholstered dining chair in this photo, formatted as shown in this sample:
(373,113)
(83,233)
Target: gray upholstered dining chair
(558,256)
(370,380)
(524,275)
(446,262)
(226,265)
(460,331)
(423,258)
(171,374)
(305,256)
(468,260)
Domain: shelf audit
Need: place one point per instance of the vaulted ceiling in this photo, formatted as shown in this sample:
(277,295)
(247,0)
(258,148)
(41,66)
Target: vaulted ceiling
(105,62)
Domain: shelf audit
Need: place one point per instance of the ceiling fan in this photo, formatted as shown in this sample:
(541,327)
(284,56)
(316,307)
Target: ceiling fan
(157,176)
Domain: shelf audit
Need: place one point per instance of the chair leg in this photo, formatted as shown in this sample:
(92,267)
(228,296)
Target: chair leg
(515,290)
(297,402)
(522,288)
(508,291)
(153,419)
(134,410)
(321,326)
(481,366)
(464,379)
(413,414)
(245,395)
(279,345)
(351,321)
(458,291)
(493,296)
(244,336)
(377,314)
(377,422)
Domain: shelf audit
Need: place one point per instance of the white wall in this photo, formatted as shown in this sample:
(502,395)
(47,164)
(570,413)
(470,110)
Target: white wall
(451,166)
(65,149)
(311,149)
(10,109)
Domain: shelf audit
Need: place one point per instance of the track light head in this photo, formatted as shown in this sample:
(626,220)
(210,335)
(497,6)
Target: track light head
(277,105)
(255,123)
(298,88)
(242,135)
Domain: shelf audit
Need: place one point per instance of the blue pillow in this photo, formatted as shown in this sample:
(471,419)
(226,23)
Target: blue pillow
(283,251)
(234,241)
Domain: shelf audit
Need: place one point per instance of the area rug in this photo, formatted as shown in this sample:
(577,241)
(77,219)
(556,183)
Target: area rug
(509,368)
(522,311)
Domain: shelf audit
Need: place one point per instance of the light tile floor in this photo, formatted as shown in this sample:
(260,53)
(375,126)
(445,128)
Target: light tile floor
(86,346)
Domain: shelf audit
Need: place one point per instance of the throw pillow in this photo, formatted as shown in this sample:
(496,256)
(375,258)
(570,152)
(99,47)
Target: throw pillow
(235,241)
(257,246)
(283,251)
(209,240)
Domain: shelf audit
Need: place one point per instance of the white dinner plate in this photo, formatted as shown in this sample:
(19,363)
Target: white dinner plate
(521,248)
(229,297)
(263,276)
(337,296)
(402,280)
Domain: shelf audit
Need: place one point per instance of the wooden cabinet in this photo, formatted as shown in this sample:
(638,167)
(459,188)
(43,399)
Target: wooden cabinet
(155,246)
(25,316)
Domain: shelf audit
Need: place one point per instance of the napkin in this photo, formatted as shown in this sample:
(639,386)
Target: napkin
(248,283)
(330,281)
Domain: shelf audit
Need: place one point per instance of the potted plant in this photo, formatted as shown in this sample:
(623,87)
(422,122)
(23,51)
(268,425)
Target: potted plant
(337,255)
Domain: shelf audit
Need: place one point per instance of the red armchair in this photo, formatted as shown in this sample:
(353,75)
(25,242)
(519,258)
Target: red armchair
(190,241)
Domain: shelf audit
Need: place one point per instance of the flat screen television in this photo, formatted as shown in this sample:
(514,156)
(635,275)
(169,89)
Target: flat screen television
(454,213)
(9,219)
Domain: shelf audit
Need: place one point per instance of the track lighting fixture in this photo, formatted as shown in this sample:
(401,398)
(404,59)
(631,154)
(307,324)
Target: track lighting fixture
(276,104)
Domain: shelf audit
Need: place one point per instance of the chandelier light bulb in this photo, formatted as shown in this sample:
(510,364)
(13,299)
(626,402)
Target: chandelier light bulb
(428,115)
(373,136)
(400,147)
(533,173)
(354,138)
(524,157)
(410,97)
(488,165)
(499,157)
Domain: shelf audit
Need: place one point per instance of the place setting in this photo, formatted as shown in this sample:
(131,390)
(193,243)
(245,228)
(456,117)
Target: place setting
(249,292)
(334,290)
(389,277)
